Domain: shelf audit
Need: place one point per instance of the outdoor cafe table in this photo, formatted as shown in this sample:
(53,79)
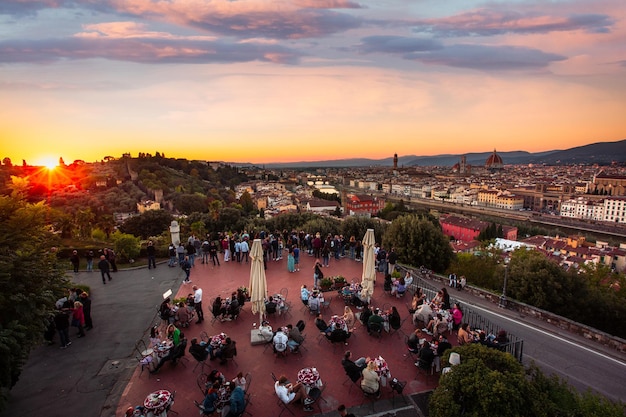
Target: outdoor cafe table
(163,348)
(157,402)
(310,378)
(383,370)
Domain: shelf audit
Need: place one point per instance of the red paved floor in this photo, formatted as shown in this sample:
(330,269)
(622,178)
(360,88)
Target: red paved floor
(326,358)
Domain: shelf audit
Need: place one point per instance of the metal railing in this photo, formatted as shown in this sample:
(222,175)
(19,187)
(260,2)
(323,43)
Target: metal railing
(515,346)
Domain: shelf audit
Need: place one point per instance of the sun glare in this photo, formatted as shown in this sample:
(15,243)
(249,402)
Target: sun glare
(49,163)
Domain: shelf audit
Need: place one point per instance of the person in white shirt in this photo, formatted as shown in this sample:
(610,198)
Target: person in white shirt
(280,341)
(197,302)
(291,393)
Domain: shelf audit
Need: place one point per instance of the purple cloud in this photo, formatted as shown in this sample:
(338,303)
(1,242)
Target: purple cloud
(397,44)
(150,51)
(487,58)
(488,22)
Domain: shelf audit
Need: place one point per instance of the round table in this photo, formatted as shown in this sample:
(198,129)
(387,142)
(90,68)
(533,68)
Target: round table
(163,348)
(158,401)
(309,377)
(383,370)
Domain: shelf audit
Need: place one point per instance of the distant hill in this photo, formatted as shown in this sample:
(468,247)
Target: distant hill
(602,153)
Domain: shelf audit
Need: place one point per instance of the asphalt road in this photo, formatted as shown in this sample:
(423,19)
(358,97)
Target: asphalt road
(88,378)
(583,363)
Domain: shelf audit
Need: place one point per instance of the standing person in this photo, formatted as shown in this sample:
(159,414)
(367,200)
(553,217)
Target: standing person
(78,318)
(151,251)
(186,266)
(392,258)
(206,247)
(180,252)
(75,260)
(238,250)
(244,250)
(191,253)
(317,245)
(103,266)
(226,248)
(291,263)
(318,275)
(111,257)
(89,257)
(86,301)
(326,254)
(452,279)
(62,323)
(296,258)
(213,253)
(171,251)
(197,302)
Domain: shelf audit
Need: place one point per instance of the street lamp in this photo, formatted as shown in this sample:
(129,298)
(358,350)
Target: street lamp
(502,303)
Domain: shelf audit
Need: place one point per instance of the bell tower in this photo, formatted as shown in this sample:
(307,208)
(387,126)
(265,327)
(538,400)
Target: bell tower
(395,161)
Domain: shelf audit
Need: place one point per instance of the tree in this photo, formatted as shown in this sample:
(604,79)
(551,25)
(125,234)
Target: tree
(31,280)
(490,382)
(357,226)
(538,281)
(149,223)
(126,246)
(418,242)
(246,202)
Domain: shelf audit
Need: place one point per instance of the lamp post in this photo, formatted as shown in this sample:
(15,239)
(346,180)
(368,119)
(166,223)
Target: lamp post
(502,303)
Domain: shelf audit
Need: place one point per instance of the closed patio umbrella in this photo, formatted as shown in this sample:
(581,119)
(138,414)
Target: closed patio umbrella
(369,266)
(258,283)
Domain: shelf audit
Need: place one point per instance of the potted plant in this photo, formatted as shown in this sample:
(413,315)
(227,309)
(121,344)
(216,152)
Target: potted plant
(340,281)
(326,283)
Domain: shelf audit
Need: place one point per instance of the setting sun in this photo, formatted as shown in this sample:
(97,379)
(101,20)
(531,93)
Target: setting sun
(49,162)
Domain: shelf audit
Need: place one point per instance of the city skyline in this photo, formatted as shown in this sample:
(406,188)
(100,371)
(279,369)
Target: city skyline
(305,80)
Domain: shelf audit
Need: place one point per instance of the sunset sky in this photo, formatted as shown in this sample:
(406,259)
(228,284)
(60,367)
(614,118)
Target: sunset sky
(277,80)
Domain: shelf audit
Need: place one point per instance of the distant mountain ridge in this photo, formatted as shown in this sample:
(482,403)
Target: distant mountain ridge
(602,153)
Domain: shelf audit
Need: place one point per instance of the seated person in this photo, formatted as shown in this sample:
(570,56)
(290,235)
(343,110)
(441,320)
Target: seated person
(240,381)
(270,306)
(358,301)
(408,279)
(295,338)
(227,350)
(291,393)
(173,355)
(370,383)
(155,336)
(443,346)
(209,405)
(304,295)
(322,325)
(422,315)
(399,288)
(173,333)
(218,310)
(232,309)
(426,356)
(314,303)
(266,331)
(216,377)
(462,283)
(198,351)
(394,319)
(338,336)
(375,319)
(437,326)
(280,341)
(237,402)
(465,335)
(353,368)
(415,341)
(183,316)
(366,314)
(485,341)
(165,311)
(241,297)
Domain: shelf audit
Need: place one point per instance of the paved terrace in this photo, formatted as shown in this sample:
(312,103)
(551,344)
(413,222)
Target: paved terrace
(99,375)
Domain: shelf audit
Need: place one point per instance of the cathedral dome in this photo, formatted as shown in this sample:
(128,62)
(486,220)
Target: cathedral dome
(494,161)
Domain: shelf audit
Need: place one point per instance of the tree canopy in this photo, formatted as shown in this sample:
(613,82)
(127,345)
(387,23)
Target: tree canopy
(490,382)
(31,280)
(419,242)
